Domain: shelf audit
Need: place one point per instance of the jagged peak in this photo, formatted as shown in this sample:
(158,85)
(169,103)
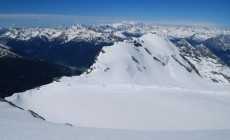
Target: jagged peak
(116,29)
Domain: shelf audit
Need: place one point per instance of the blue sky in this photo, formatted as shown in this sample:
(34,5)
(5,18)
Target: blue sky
(57,12)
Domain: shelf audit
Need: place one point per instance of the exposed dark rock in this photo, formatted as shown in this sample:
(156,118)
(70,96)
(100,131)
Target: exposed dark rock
(220,46)
(10,103)
(36,115)
(188,69)
(193,66)
(135,60)
(158,61)
(146,49)
(106,69)
(137,44)
(68,124)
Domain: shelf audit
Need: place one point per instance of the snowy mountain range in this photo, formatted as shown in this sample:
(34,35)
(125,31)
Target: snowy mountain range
(206,49)
(105,32)
(72,33)
(125,29)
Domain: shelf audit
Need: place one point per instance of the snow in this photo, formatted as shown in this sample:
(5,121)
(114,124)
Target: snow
(209,65)
(137,89)
(74,32)
(119,34)
(120,92)
(4,51)
(89,33)
(128,107)
(80,32)
(115,25)
(17,124)
(198,33)
(122,69)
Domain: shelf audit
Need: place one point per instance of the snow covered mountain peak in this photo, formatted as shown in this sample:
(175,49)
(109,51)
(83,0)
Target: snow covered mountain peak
(123,23)
(76,32)
(149,60)
(105,31)
(159,43)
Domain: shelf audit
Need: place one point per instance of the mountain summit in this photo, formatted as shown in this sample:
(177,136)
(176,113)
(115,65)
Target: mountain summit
(149,60)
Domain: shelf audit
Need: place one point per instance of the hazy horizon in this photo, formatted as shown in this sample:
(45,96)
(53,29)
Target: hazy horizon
(29,13)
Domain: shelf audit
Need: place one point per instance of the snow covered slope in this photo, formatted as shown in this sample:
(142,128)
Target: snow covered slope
(16,124)
(208,64)
(129,107)
(140,84)
(149,60)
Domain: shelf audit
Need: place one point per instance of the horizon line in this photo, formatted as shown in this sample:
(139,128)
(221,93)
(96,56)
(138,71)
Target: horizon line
(73,19)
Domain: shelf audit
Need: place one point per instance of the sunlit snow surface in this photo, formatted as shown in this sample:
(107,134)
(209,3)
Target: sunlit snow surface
(16,124)
(129,107)
(127,94)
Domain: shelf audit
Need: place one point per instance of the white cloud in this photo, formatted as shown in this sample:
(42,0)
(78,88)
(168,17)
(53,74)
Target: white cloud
(50,17)
(93,19)
(186,22)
